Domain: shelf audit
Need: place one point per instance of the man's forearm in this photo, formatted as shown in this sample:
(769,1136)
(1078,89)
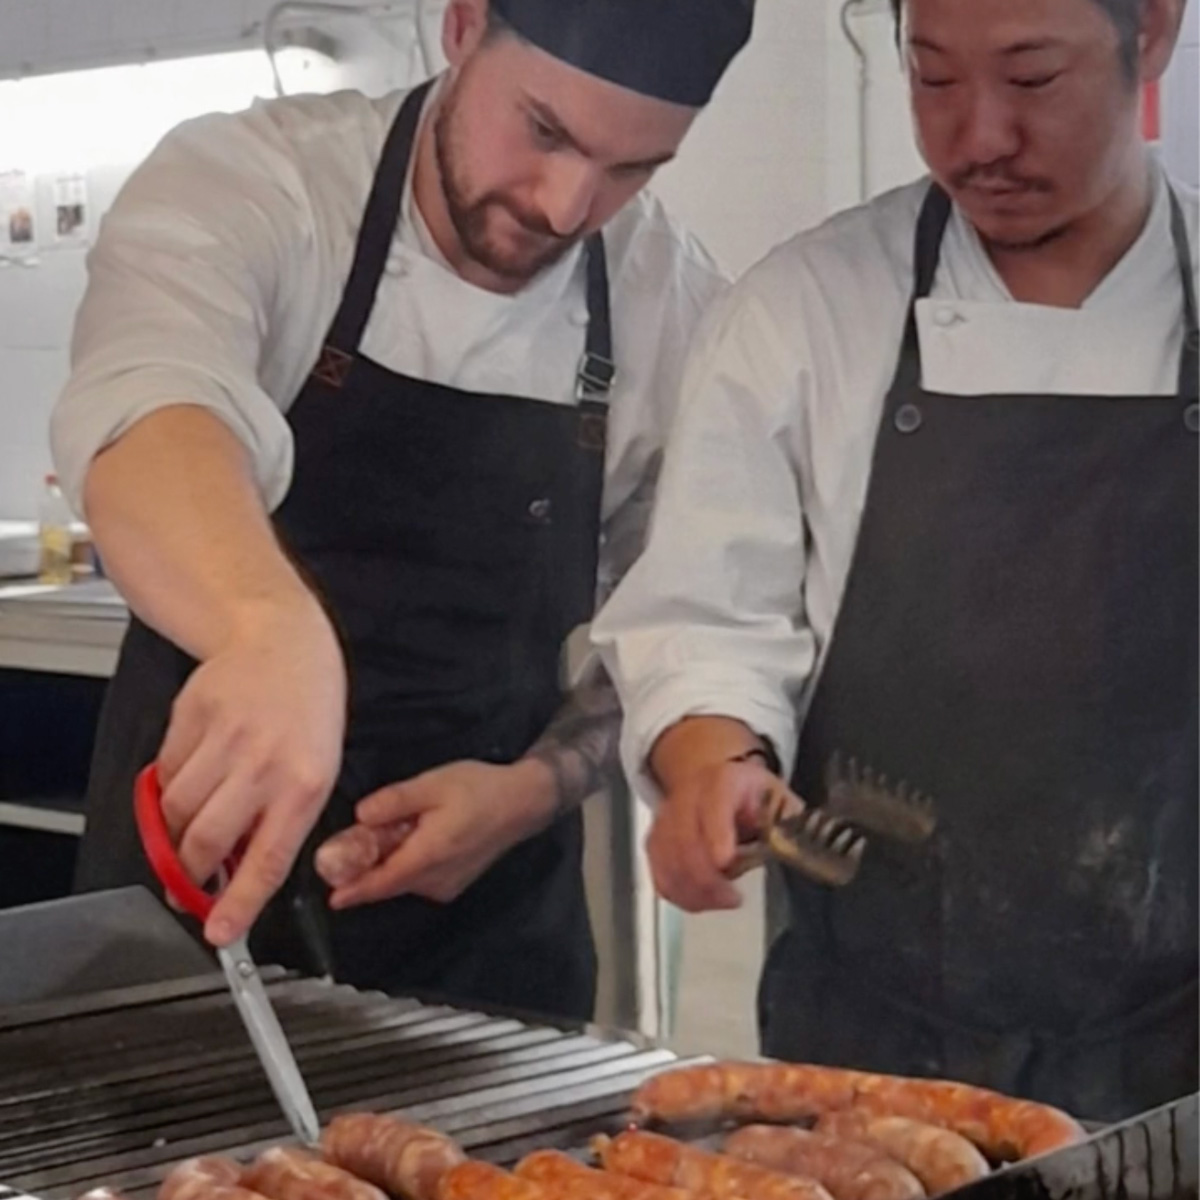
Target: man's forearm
(183,532)
(581,745)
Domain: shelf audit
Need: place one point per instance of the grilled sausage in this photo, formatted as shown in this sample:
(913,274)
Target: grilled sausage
(1004,1128)
(566,1176)
(473,1180)
(349,854)
(401,1158)
(283,1173)
(205,1178)
(659,1159)
(849,1170)
(941,1159)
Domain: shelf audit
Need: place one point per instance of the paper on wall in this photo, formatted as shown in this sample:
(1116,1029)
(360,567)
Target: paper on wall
(70,209)
(18,215)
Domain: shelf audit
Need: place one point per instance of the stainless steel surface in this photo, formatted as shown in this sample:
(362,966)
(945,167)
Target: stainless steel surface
(115,1089)
(85,944)
(270,1044)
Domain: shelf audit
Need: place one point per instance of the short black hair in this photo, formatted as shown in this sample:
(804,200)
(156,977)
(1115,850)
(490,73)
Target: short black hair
(1126,15)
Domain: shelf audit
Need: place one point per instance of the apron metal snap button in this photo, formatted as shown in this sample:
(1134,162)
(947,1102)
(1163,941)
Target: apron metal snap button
(1191,418)
(908,418)
(539,510)
(945,317)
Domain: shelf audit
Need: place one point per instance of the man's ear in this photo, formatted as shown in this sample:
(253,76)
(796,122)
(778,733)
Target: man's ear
(464,27)
(1161,20)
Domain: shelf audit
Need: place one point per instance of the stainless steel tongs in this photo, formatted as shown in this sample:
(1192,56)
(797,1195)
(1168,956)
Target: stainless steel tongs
(827,843)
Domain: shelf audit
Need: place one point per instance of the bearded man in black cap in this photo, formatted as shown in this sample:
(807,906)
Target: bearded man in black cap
(366,409)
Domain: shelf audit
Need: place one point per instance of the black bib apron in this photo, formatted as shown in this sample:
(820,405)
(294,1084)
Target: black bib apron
(454,540)
(1018,638)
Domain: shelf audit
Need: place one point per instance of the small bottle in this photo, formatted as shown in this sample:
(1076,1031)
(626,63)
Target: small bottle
(54,535)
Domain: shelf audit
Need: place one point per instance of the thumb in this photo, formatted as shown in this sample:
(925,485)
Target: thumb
(397,802)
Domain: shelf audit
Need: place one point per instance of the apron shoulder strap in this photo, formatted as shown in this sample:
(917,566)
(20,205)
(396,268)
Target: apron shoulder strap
(1189,359)
(378,227)
(927,253)
(597,368)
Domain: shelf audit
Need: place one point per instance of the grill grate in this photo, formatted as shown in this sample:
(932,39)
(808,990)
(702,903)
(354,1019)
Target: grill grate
(116,1088)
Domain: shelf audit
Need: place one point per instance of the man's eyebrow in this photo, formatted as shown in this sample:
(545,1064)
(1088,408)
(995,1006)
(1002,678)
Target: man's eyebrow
(1032,44)
(549,118)
(1023,47)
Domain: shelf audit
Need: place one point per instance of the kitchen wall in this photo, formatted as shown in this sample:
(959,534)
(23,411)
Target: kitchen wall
(774,153)
(101,130)
(1181,102)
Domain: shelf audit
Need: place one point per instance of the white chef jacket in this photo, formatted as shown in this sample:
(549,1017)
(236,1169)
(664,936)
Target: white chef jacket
(220,266)
(730,609)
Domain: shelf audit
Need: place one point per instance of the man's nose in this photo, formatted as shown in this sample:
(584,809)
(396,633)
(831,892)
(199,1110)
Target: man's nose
(567,193)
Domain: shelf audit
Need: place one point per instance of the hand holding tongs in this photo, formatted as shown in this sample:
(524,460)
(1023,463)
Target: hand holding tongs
(827,843)
(240,972)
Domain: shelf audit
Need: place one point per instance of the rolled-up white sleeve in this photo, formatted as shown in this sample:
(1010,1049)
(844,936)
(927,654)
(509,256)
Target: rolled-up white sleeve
(709,620)
(183,281)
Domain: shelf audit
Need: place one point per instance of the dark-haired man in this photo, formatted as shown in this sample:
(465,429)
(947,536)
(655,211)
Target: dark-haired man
(357,428)
(932,503)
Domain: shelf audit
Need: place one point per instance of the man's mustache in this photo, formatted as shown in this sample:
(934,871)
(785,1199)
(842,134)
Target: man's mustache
(997,175)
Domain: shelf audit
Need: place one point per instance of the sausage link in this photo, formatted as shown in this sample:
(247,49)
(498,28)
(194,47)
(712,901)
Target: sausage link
(849,1170)
(401,1158)
(283,1173)
(1003,1127)
(205,1178)
(349,854)
(473,1180)
(941,1159)
(663,1160)
(562,1174)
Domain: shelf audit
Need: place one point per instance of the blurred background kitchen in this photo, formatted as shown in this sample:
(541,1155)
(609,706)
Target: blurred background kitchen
(812,118)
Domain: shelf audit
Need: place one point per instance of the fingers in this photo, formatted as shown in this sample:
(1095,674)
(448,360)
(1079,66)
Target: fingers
(694,844)
(412,868)
(264,869)
(681,861)
(228,813)
(351,853)
(188,789)
(399,801)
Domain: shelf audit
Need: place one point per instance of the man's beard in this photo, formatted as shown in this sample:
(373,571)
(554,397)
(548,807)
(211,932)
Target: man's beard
(470,217)
(966,177)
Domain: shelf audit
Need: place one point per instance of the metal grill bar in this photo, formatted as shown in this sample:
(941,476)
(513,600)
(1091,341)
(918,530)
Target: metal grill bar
(115,1088)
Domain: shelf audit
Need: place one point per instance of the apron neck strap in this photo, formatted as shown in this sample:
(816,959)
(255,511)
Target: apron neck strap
(378,226)
(597,369)
(927,252)
(1189,359)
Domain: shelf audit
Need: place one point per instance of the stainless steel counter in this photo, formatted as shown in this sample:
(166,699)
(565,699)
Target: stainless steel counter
(73,630)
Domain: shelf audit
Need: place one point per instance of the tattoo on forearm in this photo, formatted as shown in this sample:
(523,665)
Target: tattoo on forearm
(581,745)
